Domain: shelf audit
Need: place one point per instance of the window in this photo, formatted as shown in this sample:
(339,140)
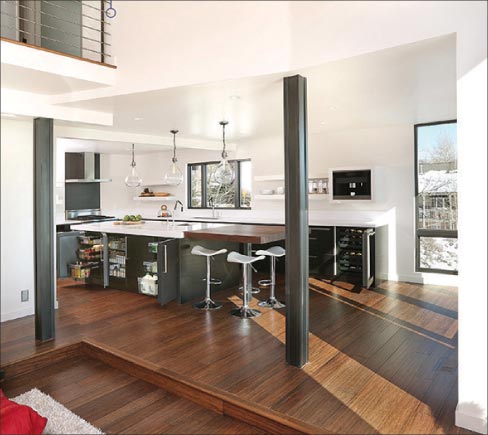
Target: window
(206,192)
(436,197)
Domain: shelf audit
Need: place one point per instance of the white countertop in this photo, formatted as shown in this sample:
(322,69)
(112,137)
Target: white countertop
(325,221)
(148,228)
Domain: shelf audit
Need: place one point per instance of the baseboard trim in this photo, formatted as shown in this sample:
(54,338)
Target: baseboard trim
(17,314)
(470,422)
(425,278)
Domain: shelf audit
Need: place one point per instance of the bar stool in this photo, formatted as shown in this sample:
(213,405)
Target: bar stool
(273,253)
(208,303)
(244,312)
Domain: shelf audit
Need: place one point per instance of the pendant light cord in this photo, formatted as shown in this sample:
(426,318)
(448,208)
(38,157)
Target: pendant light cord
(224,152)
(133,164)
(174,159)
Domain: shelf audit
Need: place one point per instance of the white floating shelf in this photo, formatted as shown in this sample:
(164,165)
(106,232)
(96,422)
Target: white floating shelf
(154,198)
(155,183)
(275,197)
(281,177)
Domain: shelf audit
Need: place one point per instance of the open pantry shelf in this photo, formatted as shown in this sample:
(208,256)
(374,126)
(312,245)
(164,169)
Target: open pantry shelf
(154,198)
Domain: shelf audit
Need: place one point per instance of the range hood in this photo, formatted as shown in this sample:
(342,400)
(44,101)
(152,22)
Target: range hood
(83,168)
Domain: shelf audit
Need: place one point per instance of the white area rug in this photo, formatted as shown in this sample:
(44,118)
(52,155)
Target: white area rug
(60,420)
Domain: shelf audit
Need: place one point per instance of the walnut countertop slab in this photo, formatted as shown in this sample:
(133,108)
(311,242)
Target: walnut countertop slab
(256,234)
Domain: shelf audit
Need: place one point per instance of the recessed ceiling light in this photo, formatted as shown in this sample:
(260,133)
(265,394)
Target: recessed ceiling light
(235,97)
(323,123)
(138,119)
(333,108)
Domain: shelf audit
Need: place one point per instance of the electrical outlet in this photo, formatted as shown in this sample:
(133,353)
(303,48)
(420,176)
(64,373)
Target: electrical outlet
(24,295)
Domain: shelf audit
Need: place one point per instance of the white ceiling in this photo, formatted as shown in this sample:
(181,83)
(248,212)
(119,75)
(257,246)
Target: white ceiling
(40,82)
(106,147)
(407,84)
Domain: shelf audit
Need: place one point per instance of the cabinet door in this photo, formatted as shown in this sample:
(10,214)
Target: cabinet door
(368,258)
(74,166)
(168,258)
(321,251)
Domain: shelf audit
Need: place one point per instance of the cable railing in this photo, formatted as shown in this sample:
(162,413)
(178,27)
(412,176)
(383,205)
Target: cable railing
(74,27)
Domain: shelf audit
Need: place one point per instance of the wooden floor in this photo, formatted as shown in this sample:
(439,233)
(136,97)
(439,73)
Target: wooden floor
(381,360)
(118,403)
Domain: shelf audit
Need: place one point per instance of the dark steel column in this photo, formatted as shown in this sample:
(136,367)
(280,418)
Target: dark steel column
(44,227)
(296,205)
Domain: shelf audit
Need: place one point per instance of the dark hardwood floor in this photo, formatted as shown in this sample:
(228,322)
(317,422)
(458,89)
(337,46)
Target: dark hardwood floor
(118,403)
(381,360)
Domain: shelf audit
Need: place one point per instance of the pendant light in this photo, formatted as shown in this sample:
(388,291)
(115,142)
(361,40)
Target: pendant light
(133,179)
(174,176)
(224,174)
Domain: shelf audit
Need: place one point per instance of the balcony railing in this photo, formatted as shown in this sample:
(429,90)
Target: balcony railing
(73,27)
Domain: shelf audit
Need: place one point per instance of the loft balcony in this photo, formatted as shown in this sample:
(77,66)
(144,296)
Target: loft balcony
(74,28)
(51,49)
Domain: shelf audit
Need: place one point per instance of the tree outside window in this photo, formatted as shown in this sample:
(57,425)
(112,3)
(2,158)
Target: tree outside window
(211,193)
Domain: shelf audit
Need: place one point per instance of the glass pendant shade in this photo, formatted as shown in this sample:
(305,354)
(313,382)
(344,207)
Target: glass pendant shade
(174,176)
(133,179)
(224,174)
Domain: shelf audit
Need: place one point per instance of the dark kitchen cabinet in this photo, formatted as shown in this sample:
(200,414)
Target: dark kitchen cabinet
(74,168)
(321,251)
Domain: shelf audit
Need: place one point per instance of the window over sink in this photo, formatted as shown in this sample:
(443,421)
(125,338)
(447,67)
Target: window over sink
(206,192)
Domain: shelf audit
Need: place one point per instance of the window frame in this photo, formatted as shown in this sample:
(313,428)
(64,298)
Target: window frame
(419,233)
(237,180)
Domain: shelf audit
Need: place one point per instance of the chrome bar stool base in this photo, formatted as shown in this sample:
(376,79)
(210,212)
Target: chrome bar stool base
(273,252)
(208,305)
(245,313)
(272,303)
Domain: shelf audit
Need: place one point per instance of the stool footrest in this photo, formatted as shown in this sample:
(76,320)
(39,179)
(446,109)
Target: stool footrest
(265,282)
(254,290)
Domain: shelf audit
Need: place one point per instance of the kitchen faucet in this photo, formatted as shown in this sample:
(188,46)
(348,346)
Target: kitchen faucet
(176,207)
(211,202)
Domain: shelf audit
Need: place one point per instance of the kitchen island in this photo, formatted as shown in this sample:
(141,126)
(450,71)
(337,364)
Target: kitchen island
(163,249)
(160,250)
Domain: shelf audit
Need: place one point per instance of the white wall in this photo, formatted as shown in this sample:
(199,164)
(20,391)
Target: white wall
(472,91)
(117,198)
(253,38)
(17,222)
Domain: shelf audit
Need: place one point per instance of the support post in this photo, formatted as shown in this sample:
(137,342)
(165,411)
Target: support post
(296,206)
(44,228)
